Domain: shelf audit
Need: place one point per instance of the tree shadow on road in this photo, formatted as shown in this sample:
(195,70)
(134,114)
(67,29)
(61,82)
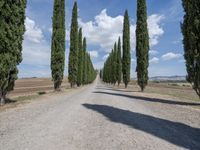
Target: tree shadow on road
(176,133)
(154,100)
(111,89)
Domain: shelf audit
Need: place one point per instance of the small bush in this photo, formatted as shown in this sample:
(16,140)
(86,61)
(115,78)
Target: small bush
(174,84)
(41,93)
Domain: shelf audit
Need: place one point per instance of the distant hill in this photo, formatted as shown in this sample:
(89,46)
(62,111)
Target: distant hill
(168,78)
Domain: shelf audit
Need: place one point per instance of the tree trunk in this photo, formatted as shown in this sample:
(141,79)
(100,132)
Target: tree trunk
(2,99)
(71,85)
(126,85)
(142,88)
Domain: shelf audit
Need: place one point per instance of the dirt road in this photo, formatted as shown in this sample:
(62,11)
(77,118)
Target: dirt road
(98,117)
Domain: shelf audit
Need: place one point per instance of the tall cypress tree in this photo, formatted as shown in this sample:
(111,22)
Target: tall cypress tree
(142,45)
(73,55)
(119,62)
(84,81)
(12,28)
(191,41)
(58,44)
(115,64)
(126,60)
(80,59)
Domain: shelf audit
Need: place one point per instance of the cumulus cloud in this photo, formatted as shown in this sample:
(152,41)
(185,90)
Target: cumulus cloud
(170,56)
(33,32)
(105,30)
(94,54)
(36,51)
(155,31)
(154,60)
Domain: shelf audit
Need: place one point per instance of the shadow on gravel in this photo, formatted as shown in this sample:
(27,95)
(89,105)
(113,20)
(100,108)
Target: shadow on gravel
(111,89)
(154,100)
(176,133)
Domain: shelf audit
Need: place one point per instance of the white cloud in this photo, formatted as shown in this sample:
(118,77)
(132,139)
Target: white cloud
(155,31)
(105,30)
(153,52)
(33,32)
(154,60)
(170,56)
(94,54)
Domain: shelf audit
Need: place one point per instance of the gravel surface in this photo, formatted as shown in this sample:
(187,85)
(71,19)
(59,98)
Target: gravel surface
(97,117)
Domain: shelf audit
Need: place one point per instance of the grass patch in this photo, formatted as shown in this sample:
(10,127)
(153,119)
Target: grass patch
(23,98)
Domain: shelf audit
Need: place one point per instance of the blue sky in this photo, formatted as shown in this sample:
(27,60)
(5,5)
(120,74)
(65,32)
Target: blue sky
(102,22)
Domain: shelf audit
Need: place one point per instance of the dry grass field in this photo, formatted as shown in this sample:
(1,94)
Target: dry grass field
(32,86)
(177,90)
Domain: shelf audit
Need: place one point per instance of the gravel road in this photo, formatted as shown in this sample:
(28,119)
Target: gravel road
(97,117)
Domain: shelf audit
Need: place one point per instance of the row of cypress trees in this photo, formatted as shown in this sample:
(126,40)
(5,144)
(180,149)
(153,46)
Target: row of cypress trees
(112,71)
(12,28)
(109,74)
(117,66)
(80,68)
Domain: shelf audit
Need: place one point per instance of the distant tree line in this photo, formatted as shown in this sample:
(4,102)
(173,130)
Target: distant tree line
(112,71)
(117,66)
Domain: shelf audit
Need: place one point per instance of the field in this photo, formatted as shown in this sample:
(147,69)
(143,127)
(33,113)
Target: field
(175,90)
(32,86)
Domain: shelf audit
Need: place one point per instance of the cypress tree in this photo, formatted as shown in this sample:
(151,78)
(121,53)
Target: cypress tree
(73,55)
(119,62)
(112,69)
(84,61)
(115,64)
(191,42)
(87,68)
(12,28)
(126,60)
(80,59)
(142,45)
(58,43)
